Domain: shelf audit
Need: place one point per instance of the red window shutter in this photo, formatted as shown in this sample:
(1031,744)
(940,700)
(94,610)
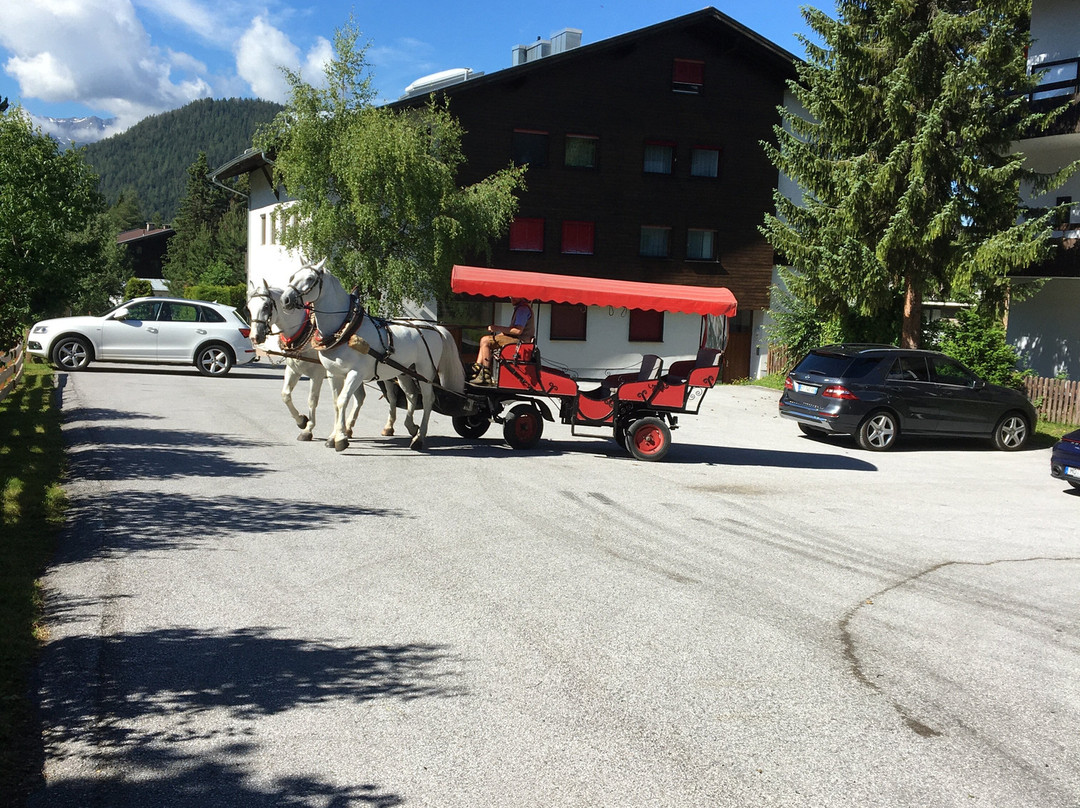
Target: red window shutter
(688,71)
(527,235)
(577,237)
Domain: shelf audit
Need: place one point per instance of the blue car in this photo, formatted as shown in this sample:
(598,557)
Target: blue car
(1065,460)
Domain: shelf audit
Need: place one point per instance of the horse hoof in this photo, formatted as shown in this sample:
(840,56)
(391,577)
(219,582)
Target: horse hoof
(387,432)
(341,444)
(329,443)
(413,429)
(302,421)
(417,444)
(304,436)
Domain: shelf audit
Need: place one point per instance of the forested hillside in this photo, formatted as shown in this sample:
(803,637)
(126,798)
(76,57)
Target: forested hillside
(153,156)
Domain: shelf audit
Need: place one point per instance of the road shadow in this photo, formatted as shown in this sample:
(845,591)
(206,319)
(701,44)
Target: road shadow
(188,371)
(132,521)
(176,710)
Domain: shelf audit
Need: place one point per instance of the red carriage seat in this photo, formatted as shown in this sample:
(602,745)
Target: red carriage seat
(519,352)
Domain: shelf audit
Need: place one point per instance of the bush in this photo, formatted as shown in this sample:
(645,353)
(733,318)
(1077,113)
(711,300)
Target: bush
(137,287)
(978,341)
(235,296)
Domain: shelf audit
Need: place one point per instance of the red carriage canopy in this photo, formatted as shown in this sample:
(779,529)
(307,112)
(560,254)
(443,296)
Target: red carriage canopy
(550,288)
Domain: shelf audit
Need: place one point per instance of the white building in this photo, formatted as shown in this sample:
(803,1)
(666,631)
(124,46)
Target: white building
(1046,328)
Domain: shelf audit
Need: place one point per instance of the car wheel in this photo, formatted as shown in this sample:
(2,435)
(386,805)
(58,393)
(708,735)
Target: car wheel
(213,360)
(471,427)
(523,427)
(1011,433)
(648,439)
(879,431)
(71,353)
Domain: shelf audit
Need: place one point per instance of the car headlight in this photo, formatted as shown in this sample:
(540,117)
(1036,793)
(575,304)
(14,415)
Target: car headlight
(41,329)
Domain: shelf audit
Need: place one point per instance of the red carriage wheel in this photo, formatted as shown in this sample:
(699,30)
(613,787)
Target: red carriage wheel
(524,426)
(648,439)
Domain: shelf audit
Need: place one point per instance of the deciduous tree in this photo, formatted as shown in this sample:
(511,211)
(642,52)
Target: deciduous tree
(49,246)
(376,188)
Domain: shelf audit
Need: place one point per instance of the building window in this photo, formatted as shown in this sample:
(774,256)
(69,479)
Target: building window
(704,161)
(273,227)
(646,326)
(701,245)
(527,235)
(582,151)
(577,238)
(688,76)
(568,321)
(530,147)
(655,241)
(262,219)
(659,157)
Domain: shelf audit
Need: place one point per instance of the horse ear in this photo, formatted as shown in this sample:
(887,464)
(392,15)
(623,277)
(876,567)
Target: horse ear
(265,285)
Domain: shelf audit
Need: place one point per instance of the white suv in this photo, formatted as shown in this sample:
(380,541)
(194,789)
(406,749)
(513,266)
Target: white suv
(166,330)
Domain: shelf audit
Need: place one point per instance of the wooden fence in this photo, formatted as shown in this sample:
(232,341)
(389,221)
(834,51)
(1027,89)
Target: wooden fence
(11,366)
(1056,400)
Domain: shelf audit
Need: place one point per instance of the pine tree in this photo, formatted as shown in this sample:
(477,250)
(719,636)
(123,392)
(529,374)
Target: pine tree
(206,233)
(902,152)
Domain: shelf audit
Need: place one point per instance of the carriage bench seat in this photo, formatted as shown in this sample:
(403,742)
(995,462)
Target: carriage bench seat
(519,352)
(651,367)
(700,372)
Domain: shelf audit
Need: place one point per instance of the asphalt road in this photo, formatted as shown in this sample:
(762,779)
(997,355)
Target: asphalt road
(240,619)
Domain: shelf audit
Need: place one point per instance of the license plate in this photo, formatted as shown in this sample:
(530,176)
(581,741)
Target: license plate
(1072,472)
(809,389)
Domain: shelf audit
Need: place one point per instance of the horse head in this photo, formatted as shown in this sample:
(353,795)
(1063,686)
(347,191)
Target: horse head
(260,306)
(304,286)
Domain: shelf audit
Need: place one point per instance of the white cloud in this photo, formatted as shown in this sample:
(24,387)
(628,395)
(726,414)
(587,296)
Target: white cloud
(263,50)
(260,53)
(98,53)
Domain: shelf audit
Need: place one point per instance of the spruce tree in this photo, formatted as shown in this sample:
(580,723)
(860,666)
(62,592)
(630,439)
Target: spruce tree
(902,152)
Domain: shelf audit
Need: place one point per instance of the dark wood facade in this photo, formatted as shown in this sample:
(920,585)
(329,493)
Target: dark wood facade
(624,94)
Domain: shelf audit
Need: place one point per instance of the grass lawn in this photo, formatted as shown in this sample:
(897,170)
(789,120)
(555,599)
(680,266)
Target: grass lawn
(33,504)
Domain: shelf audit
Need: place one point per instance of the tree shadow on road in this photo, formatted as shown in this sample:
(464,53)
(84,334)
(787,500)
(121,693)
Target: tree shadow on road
(170,716)
(132,521)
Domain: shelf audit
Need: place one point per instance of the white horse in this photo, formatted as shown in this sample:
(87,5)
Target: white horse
(295,329)
(423,349)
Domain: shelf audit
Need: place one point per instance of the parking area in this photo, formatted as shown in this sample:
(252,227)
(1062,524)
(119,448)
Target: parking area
(760,619)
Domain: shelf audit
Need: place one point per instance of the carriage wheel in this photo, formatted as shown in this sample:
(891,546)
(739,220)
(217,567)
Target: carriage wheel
(471,427)
(648,439)
(523,427)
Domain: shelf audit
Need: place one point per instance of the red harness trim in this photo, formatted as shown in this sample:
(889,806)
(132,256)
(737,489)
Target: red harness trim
(287,342)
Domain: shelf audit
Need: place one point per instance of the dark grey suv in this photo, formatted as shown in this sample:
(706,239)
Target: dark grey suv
(878,393)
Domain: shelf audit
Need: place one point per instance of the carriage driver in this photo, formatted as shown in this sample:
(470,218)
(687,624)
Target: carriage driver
(522,328)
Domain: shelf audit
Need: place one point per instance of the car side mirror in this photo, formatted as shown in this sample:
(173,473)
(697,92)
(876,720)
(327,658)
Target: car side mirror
(978,384)
(119,314)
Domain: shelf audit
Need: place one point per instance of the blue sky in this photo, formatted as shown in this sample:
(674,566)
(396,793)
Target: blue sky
(127,59)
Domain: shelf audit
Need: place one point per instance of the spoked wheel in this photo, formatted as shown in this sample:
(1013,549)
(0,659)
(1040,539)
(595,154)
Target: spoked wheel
(523,427)
(648,439)
(214,360)
(471,426)
(1011,433)
(71,353)
(879,431)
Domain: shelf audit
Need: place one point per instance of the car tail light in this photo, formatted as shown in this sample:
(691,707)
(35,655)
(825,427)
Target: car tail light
(839,391)
(245,332)
(788,384)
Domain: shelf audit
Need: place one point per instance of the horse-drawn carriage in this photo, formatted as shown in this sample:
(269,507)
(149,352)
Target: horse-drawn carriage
(640,408)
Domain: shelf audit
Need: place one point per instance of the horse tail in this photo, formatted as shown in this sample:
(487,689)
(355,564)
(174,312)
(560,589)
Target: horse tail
(451,371)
